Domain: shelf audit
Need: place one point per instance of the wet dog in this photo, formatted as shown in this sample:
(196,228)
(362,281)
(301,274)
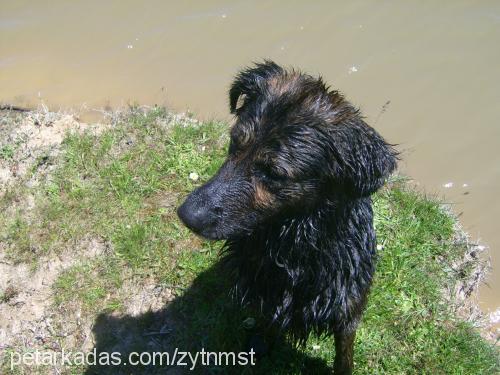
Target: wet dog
(292,200)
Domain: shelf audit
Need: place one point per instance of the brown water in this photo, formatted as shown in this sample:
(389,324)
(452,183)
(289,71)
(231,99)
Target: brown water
(438,63)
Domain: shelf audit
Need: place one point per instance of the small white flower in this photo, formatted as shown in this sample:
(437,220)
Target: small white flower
(380,247)
(448,185)
(316,347)
(130,46)
(352,69)
(193,176)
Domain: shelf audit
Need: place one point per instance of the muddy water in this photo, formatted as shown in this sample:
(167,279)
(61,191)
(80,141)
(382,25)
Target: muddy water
(437,64)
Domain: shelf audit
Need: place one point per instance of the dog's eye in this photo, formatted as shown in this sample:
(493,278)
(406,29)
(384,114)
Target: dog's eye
(263,175)
(266,173)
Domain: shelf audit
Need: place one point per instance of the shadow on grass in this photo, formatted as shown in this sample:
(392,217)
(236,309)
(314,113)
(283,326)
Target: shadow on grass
(201,317)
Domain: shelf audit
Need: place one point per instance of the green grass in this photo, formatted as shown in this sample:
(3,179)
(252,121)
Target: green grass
(123,186)
(7,152)
(90,285)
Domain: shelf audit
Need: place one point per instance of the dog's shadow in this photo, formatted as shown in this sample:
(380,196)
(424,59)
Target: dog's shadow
(201,317)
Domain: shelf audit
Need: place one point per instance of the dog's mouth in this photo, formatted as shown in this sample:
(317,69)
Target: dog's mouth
(208,234)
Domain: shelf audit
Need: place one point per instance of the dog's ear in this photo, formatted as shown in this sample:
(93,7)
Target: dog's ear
(362,160)
(250,82)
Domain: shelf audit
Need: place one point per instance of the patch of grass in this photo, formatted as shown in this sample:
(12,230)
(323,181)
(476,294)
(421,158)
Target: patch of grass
(18,232)
(90,285)
(123,186)
(7,152)
(103,183)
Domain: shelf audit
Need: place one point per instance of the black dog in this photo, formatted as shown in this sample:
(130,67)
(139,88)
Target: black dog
(293,202)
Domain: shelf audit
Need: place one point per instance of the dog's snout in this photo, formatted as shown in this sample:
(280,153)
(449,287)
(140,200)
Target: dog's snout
(198,218)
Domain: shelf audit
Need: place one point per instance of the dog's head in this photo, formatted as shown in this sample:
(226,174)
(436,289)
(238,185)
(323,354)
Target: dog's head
(294,145)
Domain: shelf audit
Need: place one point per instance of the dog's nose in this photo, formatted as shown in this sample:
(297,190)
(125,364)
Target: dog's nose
(196,217)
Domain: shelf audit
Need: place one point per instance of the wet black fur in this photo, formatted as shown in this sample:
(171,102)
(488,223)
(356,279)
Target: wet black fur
(293,202)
